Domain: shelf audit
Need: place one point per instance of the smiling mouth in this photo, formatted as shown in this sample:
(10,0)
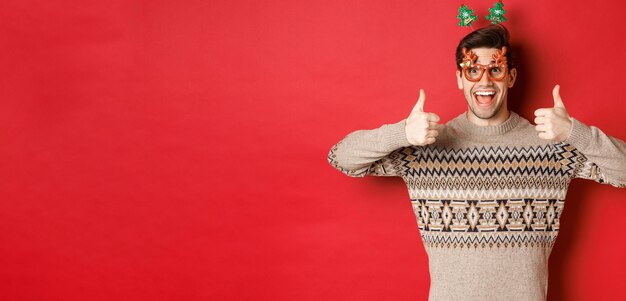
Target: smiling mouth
(484,98)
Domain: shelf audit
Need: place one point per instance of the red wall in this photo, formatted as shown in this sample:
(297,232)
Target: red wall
(176,150)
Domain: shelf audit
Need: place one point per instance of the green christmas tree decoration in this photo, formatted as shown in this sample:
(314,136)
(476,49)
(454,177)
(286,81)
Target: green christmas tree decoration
(466,16)
(496,13)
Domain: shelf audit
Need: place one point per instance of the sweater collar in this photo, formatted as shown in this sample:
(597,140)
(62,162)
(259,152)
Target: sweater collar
(489,130)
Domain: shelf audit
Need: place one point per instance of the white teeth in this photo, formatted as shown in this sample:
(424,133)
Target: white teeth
(485,93)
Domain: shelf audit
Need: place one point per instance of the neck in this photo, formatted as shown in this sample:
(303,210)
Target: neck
(499,118)
(495,130)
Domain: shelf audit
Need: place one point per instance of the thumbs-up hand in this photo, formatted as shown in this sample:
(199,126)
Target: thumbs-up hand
(553,123)
(421,127)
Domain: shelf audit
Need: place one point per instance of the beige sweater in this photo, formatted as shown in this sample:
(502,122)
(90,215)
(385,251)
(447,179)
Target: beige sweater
(487,199)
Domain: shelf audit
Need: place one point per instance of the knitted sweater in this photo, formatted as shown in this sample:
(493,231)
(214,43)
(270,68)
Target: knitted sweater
(487,199)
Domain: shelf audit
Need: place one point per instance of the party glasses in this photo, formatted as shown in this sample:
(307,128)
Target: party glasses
(474,72)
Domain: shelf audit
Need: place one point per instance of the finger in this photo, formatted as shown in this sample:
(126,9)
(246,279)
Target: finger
(432,133)
(430,140)
(541,128)
(419,106)
(556,94)
(544,135)
(433,125)
(433,117)
(540,120)
(543,112)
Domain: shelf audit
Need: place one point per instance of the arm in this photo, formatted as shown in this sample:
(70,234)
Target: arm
(598,156)
(377,151)
(603,157)
(366,152)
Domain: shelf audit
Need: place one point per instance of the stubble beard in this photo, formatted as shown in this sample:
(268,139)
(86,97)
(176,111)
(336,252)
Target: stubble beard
(482,115)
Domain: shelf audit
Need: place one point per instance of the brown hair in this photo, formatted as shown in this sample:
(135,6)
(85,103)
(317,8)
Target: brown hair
(492,36)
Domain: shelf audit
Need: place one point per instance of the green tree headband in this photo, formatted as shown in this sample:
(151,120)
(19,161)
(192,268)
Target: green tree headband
(496,14)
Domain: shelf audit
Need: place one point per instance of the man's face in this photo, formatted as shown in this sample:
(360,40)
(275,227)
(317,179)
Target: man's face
(486,98)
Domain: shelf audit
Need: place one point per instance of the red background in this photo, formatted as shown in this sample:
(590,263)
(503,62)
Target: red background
(176,150)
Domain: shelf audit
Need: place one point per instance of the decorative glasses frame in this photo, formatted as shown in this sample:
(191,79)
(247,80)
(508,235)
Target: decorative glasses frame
(469,64)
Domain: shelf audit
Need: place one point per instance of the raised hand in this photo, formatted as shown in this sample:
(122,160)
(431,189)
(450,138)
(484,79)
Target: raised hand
(553,123)
(421,127)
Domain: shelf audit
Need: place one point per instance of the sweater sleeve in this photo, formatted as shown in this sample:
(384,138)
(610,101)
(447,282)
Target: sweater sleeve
(370,152)
(603,158)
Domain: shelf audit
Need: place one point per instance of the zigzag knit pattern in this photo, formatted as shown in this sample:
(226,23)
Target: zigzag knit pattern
(453,180)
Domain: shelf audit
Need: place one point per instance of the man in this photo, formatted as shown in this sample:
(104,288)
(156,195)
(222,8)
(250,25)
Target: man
(488,187)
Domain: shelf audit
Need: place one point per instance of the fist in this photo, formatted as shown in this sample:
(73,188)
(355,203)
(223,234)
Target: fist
(421,127)
(553,123)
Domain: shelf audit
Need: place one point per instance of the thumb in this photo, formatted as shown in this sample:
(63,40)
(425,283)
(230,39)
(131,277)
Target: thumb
(558,102)
(419,106)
